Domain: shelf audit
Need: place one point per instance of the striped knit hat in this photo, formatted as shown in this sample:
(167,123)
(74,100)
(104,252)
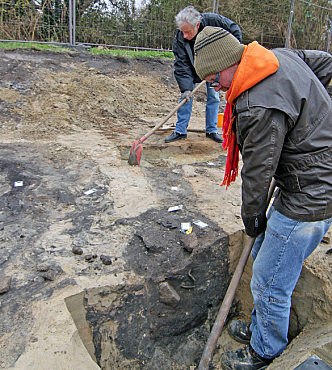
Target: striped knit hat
(215,50)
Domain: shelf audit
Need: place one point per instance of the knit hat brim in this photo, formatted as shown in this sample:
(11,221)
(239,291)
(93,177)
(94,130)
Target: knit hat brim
(215,50)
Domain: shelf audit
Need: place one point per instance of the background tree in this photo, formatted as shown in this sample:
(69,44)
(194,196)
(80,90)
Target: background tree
(150,23)
(265,22)
(311,24)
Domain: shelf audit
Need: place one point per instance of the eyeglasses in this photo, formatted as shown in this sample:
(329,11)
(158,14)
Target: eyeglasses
(216,82)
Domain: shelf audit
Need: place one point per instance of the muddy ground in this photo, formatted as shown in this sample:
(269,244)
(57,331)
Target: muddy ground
(94,269)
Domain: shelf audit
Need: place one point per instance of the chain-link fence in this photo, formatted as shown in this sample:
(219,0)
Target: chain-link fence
(150,24)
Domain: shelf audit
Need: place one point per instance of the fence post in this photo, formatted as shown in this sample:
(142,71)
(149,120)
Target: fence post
(74,22)
(70,23)
(217,7)
(289,28)
(72,13)
(329,37)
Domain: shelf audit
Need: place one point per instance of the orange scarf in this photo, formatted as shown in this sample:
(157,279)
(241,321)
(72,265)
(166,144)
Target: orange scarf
(256,64)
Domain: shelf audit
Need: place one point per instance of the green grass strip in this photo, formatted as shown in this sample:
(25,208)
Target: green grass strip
(12,45)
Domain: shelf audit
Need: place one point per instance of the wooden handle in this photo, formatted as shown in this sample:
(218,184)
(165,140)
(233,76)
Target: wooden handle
(171,113)
(228,299)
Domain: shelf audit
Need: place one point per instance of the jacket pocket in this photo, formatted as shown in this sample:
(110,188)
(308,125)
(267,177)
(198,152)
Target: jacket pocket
(289,182)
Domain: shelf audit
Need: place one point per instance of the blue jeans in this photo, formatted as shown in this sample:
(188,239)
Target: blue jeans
(211,112)
(278,258)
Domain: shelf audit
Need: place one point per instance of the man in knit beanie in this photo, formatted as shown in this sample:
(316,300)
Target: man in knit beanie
(190,23)
(216,50)
(279,117)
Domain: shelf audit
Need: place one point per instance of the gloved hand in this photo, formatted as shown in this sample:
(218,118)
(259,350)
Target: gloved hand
(185,95)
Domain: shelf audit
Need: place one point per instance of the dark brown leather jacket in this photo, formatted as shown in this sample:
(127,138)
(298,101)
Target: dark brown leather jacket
(284,130)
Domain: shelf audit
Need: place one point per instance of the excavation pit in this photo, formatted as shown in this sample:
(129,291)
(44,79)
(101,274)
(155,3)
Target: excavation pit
(162,155)
(162,318)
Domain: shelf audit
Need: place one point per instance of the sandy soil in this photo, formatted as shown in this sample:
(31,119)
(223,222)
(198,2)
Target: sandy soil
(68,121)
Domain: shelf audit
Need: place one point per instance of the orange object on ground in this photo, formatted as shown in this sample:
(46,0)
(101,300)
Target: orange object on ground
(220,119)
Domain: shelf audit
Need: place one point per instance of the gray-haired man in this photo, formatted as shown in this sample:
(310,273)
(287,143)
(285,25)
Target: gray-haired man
(190,22)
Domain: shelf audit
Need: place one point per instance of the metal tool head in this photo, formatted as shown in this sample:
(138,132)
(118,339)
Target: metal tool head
(135,153)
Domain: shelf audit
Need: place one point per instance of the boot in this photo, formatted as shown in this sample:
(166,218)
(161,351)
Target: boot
(214,136)
(240,331)
(243,359)
(175,136)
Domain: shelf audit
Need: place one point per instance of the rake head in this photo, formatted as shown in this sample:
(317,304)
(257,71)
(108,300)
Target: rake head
(135,153)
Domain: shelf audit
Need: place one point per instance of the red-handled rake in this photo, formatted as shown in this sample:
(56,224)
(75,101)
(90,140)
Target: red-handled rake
(136,149)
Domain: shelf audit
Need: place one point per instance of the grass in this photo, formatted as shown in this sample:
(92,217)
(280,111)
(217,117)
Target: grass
(134,53)
(11,45)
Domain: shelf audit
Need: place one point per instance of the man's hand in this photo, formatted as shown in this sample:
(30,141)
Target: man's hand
(254,225)
(185,95)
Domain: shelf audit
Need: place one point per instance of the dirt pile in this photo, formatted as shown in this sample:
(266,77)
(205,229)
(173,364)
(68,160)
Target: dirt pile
(42,98)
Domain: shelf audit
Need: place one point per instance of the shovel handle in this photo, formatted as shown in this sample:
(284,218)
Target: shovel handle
(171,113)
(228,298)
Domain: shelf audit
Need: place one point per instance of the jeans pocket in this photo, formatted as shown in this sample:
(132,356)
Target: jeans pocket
(275,232)
(280,226)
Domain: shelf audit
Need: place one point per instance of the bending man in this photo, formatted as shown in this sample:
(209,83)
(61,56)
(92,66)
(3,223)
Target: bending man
(190,22)
(280,118)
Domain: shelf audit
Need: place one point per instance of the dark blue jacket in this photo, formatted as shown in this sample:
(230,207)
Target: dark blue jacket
(183,49)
